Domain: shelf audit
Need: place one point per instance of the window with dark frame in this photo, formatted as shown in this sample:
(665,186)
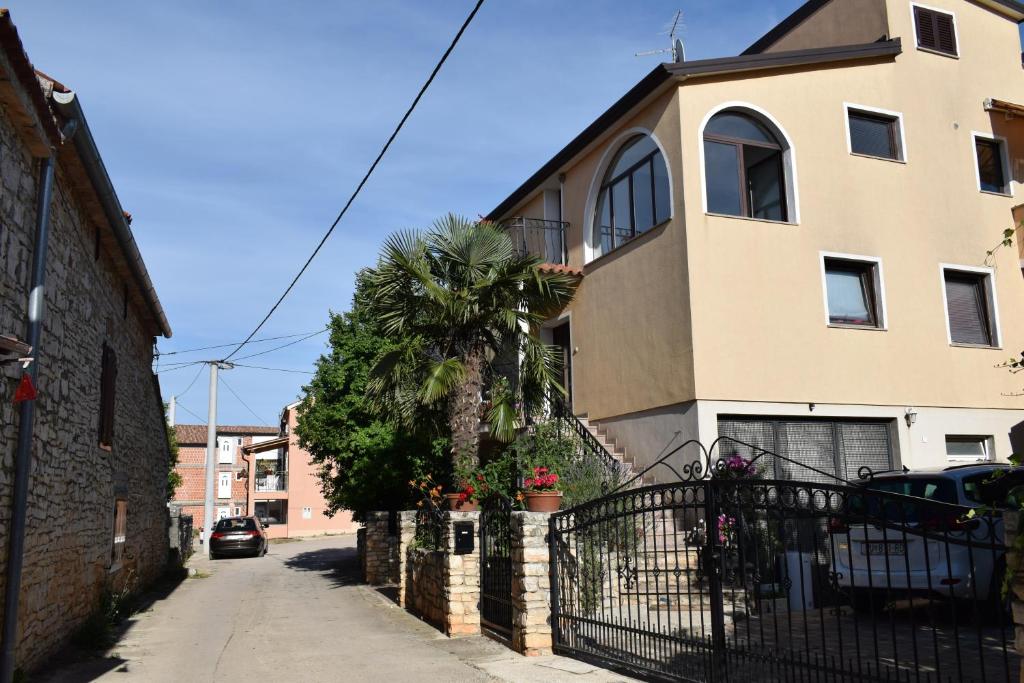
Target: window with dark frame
(967,308)
(743,168)
(875,135)
(935,31)
(851,293)
(967,448)
(989,155)
(120,531)
(108,386)
(634,196)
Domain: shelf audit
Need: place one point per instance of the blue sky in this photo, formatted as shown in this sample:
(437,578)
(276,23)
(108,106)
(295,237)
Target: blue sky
(234,131)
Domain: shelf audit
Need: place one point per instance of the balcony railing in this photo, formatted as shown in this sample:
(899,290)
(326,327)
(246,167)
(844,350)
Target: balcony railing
(277,481)
(540,238)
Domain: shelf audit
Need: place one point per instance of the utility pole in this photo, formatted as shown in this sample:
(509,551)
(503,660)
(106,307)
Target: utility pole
(170,412)
(211,450)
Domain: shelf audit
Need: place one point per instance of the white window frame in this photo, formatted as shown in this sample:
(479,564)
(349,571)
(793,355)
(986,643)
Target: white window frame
(230,443)
(221,478)
(879,282)
(956,30)
(993,303)
(986,442)
(788,160)
(1004,158)
(590,246)
(896,116)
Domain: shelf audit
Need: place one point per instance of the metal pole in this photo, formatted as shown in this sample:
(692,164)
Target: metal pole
(171,409)
(26,410)
(211,454)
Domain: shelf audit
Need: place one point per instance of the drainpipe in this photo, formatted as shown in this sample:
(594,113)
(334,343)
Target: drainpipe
(26,412)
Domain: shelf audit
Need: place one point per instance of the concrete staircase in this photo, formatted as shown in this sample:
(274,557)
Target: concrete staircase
(616,450)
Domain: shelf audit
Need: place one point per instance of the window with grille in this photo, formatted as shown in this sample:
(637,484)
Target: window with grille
(108,387)
(989,155)
(813,450)
(874,134)
(969,307)
(853,292)
(935,30)
(120,531)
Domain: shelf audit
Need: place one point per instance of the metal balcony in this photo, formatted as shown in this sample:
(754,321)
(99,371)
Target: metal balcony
(277,481)
(536,237)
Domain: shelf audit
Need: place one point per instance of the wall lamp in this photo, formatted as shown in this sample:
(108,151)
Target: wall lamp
(910,416)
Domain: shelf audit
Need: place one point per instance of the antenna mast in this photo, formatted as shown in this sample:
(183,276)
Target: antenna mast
(675,44)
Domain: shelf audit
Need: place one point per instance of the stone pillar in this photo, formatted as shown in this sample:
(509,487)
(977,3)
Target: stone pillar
(1012,530)
(461,579)
(377,568)
(531,584)
(400,554)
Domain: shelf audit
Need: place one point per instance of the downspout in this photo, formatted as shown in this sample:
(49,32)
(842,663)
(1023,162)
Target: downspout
(26,411)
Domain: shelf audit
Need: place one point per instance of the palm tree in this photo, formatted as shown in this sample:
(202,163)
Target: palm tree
(455,298)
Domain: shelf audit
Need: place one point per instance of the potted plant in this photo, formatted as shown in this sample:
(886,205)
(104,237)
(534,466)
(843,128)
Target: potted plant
(467,493)
(541,491)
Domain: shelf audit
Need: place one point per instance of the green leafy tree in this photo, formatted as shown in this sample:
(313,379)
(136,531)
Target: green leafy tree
(173,478)
(365,459)
(451,300)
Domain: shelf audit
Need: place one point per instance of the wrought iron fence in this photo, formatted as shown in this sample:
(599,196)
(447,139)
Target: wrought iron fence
(718,578)
(496,564)
(540,238)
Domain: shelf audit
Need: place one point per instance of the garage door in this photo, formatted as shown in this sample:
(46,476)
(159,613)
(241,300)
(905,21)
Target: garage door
(818,447)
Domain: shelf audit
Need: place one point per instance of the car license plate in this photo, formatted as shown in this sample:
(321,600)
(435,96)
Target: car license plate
(885,549)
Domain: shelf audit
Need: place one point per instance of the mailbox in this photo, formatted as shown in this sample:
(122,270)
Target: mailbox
(463,537)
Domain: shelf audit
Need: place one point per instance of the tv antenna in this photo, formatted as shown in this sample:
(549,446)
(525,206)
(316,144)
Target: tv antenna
(676,44)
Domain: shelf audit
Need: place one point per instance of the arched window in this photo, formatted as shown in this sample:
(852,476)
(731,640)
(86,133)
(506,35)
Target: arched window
(744,168)
(634,195)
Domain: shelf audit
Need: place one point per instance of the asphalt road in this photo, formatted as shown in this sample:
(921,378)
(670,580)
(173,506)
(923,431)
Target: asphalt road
(296,614)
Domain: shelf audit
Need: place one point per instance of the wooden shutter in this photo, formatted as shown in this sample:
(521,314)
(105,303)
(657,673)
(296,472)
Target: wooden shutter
(935,30)
(967,307)
(108,385)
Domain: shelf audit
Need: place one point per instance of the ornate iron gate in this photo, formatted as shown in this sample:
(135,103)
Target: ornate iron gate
(730,578)
(496,565)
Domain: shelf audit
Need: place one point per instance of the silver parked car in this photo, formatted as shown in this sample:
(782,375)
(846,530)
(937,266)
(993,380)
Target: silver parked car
(925,533)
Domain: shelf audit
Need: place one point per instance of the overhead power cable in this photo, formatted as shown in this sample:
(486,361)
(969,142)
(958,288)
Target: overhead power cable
(306,335)
(260,367)
(244,404)
(282,346)
(183,407)
(366,177)
(190,383)
(182,366)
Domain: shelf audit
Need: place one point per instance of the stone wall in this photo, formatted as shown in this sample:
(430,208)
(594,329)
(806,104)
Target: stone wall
(381,564)
(531,583)
(74,483)
(441,586)
(426,593)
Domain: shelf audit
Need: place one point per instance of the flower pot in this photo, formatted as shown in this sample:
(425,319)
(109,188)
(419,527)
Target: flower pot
(455,506)
(543,501)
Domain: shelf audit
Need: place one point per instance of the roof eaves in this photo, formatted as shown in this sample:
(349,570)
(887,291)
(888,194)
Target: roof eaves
(1011,8)
(786,59)
(24,75)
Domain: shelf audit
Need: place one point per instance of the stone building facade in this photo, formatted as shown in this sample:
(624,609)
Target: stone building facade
(98,295)
(231,462)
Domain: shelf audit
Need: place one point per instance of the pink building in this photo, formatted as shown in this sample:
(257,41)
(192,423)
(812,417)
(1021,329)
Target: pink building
(283,487)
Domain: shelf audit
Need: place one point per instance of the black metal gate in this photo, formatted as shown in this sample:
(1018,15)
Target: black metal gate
(496,565)
(734,578)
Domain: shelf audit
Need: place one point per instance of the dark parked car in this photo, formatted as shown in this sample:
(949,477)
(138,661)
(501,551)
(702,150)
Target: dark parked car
(238,536)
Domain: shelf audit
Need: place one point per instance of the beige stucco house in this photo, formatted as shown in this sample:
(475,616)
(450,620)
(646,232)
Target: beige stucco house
(790,247)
